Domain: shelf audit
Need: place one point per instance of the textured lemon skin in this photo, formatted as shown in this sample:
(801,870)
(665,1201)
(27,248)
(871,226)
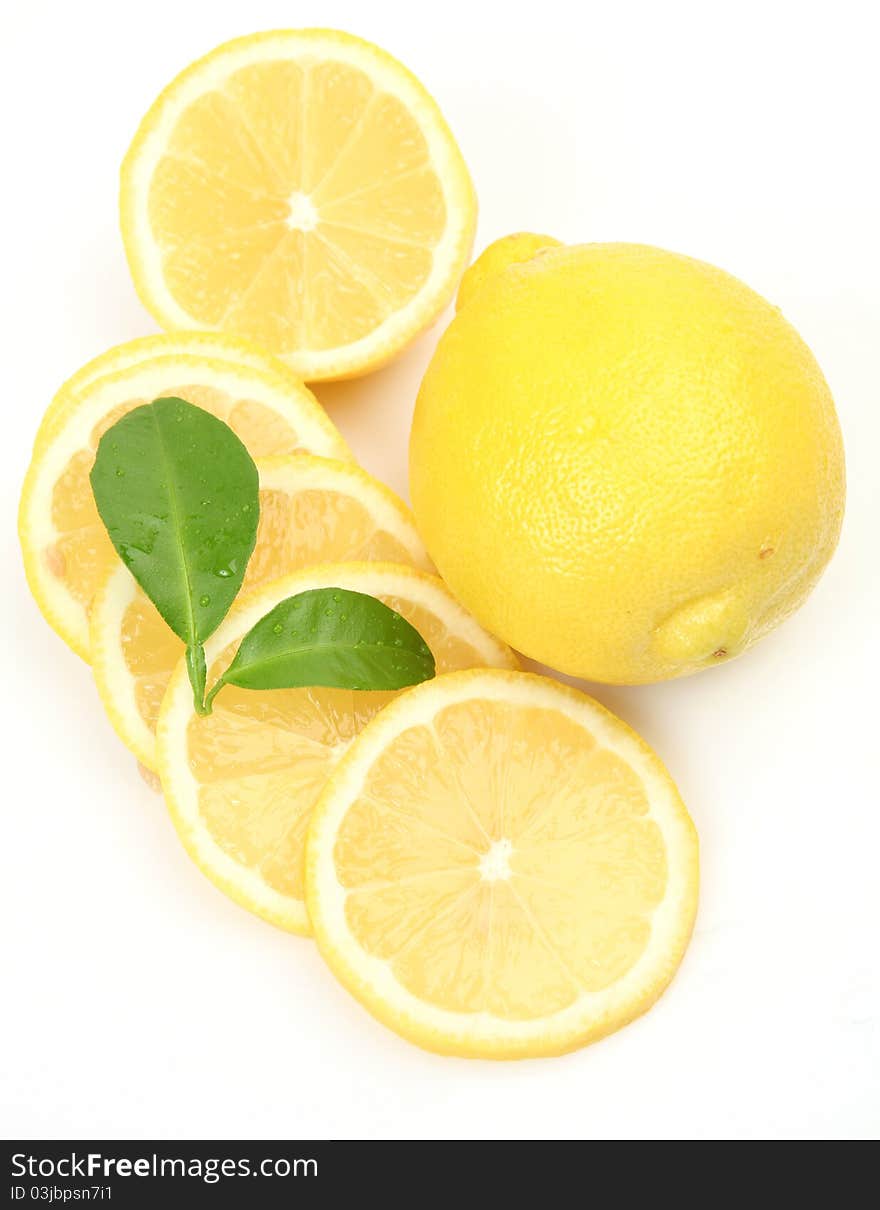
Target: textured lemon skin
(625,462)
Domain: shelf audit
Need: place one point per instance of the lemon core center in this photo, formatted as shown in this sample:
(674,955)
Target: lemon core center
(496,863)
(302,215)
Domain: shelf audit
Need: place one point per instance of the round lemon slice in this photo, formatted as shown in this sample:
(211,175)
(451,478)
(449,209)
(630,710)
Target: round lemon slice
(500,868)
(215,345)
(241,783)
(66,549)
(312,510)
(301,188)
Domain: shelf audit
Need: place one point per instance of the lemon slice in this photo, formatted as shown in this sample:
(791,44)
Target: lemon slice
(301,188)
(241,783)
(66,549)
(216,345)
(312,510)
(499,867)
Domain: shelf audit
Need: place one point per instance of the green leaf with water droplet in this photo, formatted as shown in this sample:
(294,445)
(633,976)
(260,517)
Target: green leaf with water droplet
(179,496)
(333,637)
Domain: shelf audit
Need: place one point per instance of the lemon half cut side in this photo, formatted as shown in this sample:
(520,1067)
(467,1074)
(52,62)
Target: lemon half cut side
(299,188)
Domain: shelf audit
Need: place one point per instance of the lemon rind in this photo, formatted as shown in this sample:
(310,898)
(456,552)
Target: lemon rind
(115,684)
(218,346)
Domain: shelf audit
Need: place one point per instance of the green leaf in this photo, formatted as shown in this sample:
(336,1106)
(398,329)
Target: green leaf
(332,637)
(178,493)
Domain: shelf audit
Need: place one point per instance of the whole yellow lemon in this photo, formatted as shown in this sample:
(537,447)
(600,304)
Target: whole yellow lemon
(625,462)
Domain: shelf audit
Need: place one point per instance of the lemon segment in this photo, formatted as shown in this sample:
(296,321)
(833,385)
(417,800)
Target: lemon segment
(312,510)
(241,783)
(300,188)
(500,868)
(67,552)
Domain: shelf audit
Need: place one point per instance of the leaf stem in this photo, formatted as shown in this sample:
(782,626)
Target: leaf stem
(198,674)
(215,689)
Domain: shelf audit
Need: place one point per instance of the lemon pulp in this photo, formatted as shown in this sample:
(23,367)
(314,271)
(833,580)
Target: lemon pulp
(519,872)
(312,510)
(242,782)
(498,867)
(302,189)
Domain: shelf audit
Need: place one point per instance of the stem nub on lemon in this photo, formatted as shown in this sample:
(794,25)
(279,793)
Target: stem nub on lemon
(623,461)
(301,188)
(500,868)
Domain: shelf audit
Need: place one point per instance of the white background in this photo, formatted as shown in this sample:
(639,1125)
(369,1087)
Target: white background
(138,1001)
